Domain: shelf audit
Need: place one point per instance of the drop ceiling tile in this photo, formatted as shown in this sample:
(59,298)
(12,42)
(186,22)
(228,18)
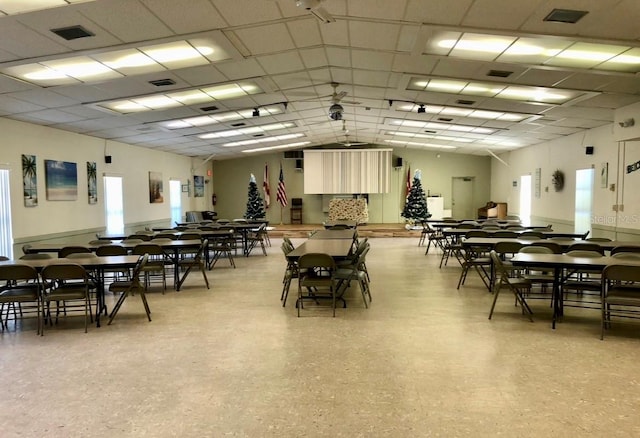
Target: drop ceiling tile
(202,75)
(281,63)
(127,20)
(30,44)
(613,101)
(241,12)
(490,14)
(44,98)
(305,33)
(378,9)
(199,16)
(379,36)
(16,106)
(448,12)
(371,60)
(247,68)
(266,39)
(337,34)
(314,58)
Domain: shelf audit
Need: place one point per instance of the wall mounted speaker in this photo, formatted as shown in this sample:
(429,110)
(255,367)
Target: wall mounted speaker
(588,150)
(298,164)
(107,159)
(398,162)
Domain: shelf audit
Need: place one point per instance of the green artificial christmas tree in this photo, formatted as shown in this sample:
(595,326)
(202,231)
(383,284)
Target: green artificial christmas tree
(255,205)
(415,208)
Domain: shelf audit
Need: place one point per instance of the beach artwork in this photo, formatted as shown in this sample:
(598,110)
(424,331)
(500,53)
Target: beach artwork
(61,178)
(29,181)
(198,186)
(92,182)
(155,188)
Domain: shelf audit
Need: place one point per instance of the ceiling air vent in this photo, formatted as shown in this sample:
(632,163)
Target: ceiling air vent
(72,32)
(565,16)
(500,73)
(258,135)
(445,119)
(209,108)
(162,82)
(465,102)
(235,125)
(431,132)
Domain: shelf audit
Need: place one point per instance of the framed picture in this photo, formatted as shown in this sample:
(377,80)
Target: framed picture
(92,182)
(604,175)
(29,181)
(198,186)
(61,178)
(185,188)
(155,188)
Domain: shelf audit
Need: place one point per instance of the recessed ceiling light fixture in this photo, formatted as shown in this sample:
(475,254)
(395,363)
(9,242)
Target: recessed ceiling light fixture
(119,63)
(250,130)
(282,146)
(468,112)
(223,117)
(264,140)
(172,99)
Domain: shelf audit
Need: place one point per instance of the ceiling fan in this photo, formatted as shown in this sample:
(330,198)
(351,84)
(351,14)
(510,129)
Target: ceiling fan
(315,8)
(336,110)
(347,142)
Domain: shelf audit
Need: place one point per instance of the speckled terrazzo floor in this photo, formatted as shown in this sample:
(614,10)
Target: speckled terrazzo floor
(422,361)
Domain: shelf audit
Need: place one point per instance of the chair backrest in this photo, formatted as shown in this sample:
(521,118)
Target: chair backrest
(530,234)
(515,227)
(171,236)
(497,263)
(598,239)
(553,246)
(203,247)
(338,227)
(467,226)
(17,272)
(583,253)
(36,256)
(134,241)
(147,248)
(143,237)
(81,255)
(140,264)
(476,233)
(627,255)
(190,236)
(508,247)
(64,271)
(507,234)
(625,248)
(621,273)
(240,220)
(288,241)
(223,221)
(111,250)
(586,247)
(100,242)
(534,249)
(316,260)
(67,250)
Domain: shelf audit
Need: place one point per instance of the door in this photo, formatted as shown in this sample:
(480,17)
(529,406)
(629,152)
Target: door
(462,206)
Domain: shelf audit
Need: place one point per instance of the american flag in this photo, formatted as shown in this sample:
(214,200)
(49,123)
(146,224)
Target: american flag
(408,188)
(265,187)
(282,191)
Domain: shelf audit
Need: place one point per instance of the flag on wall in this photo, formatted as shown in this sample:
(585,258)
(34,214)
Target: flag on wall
(265,187)
(408,187)
(281,196)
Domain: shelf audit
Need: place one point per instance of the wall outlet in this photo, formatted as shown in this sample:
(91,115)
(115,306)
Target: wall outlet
(615,207)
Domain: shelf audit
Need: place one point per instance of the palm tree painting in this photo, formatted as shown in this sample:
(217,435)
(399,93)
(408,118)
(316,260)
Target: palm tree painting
(29,180)
(92,182)
(155,188)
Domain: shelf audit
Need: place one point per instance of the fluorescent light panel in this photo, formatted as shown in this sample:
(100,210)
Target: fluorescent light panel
(273,148)
(433,136)
(465,112)
(264,140)
(441,126)
(118,63)
(501,91)
(250,130)
(536,51)
(212,119)
(173,99)
(425,145)
(10,7)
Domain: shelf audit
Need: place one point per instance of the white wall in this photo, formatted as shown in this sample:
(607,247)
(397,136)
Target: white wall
(568,155)
(55,217)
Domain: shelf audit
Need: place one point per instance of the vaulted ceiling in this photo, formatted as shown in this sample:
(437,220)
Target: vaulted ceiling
(485,75)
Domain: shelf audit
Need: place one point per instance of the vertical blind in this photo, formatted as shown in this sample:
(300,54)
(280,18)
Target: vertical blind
(6,236)
(335,171)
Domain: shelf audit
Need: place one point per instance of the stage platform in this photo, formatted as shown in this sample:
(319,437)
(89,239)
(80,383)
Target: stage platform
(368,230)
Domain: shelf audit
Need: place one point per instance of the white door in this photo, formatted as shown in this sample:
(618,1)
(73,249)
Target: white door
(462,206)
(525,200)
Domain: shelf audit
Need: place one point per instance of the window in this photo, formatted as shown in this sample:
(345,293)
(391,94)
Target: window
(175,199)
(584,200)
(113,204)
(6,235)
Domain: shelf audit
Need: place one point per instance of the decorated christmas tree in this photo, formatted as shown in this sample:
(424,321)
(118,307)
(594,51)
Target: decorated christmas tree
(415,207)
(255,206)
